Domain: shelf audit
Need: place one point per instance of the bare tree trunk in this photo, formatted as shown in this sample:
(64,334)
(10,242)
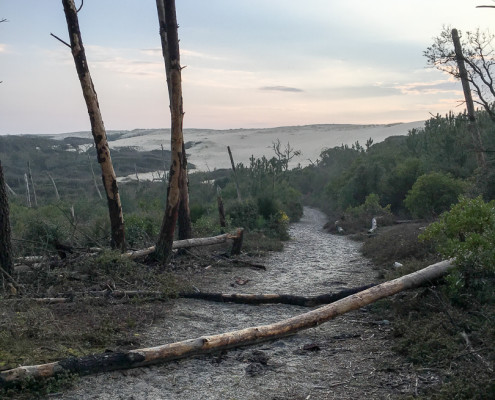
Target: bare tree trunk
(168,25)
(10,189)
(224,341)
(54,186)
(28,194)
(5,240)
(97,127)
(472,125)
(184,217)
(235,175)
(30,176)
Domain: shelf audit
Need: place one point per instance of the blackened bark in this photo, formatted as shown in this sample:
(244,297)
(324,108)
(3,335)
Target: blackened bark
(97,127)
(184,218)
(166,10)
(5,239)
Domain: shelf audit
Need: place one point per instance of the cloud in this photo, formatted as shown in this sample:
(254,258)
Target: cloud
(281,89)
(3,48)
(434,87)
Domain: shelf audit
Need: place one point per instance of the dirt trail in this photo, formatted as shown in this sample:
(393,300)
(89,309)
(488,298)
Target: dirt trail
(348,358)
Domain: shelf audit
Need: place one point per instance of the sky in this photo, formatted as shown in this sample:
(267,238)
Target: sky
(248,63)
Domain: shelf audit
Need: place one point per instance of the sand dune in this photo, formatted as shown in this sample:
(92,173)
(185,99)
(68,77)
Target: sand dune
(207,148)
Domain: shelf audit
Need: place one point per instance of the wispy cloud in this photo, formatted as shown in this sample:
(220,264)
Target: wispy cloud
(281,89)
(3,48)
(434,87)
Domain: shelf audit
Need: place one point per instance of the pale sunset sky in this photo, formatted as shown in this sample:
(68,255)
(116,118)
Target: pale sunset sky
(249,63)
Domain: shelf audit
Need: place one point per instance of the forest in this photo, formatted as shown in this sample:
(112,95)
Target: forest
(430,193)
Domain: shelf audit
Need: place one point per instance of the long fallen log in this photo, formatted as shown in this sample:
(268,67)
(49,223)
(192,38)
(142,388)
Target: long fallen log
(241,298)
(194,242)
(304,301)
(207,344)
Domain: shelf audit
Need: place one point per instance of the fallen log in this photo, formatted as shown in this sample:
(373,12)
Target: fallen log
(207,344)
(194,242)
(240,298)
(310,301)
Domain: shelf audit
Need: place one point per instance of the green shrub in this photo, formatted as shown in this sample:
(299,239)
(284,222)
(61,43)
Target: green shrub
(433,194)
(358,218)
(141,230)
(467,232)
(244,214)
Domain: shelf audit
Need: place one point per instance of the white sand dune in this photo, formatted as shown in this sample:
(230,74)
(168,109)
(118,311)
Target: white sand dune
(207,148)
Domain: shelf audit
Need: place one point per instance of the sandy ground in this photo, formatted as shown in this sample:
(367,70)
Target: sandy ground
(208,149)
(347,358)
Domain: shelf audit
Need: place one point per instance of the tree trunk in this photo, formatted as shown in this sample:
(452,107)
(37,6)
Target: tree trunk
(57,195)
(181,244)
(221,210)
(243,337)
(6,261)
(164,245)
(472,125)
(185,229)
(97,127)
(30,176)
(28,195)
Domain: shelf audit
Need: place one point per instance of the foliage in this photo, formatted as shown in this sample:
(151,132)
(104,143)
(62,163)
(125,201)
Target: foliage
(479,58)
(432,194)
(467,232)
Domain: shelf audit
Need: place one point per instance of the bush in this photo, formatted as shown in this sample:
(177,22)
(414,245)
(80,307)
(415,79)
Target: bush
(467,232)
(244,214)
(356,219)
(433,194)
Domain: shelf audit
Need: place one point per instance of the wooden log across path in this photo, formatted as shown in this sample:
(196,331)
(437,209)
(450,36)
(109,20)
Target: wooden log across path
(207,344)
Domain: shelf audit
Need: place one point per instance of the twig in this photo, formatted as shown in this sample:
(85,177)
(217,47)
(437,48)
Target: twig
(60,40)
(9,277)
(81,6)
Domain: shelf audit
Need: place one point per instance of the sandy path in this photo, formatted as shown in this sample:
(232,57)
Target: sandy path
(348,358)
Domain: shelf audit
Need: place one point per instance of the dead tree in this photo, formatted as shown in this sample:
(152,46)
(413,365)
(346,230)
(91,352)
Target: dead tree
(30,176)
(472,126)
(97,127)
(28,194)
(57,195)
(6,261)
(176,181)
(184,217)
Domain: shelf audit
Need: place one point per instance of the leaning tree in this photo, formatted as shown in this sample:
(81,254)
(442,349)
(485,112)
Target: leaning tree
(97,126)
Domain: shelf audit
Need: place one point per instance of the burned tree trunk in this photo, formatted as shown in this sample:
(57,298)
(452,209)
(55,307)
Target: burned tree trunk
(184,217)
(472,126)
(235,175)
(5,240)
(168,29)
(97,127)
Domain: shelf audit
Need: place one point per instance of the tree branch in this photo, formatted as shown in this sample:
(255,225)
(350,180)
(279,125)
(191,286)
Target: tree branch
(60,40)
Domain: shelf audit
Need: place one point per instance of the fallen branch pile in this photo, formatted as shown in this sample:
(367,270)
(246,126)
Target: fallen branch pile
(207,344)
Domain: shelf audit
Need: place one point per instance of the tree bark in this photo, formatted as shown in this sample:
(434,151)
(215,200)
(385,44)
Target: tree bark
(255,299)
(181,244)
(28,195)
(221,210)
(243,337)
(164,245)
(97,127)
(6,260)
(184,217)
(472,125)
(30,176)
(57,195)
